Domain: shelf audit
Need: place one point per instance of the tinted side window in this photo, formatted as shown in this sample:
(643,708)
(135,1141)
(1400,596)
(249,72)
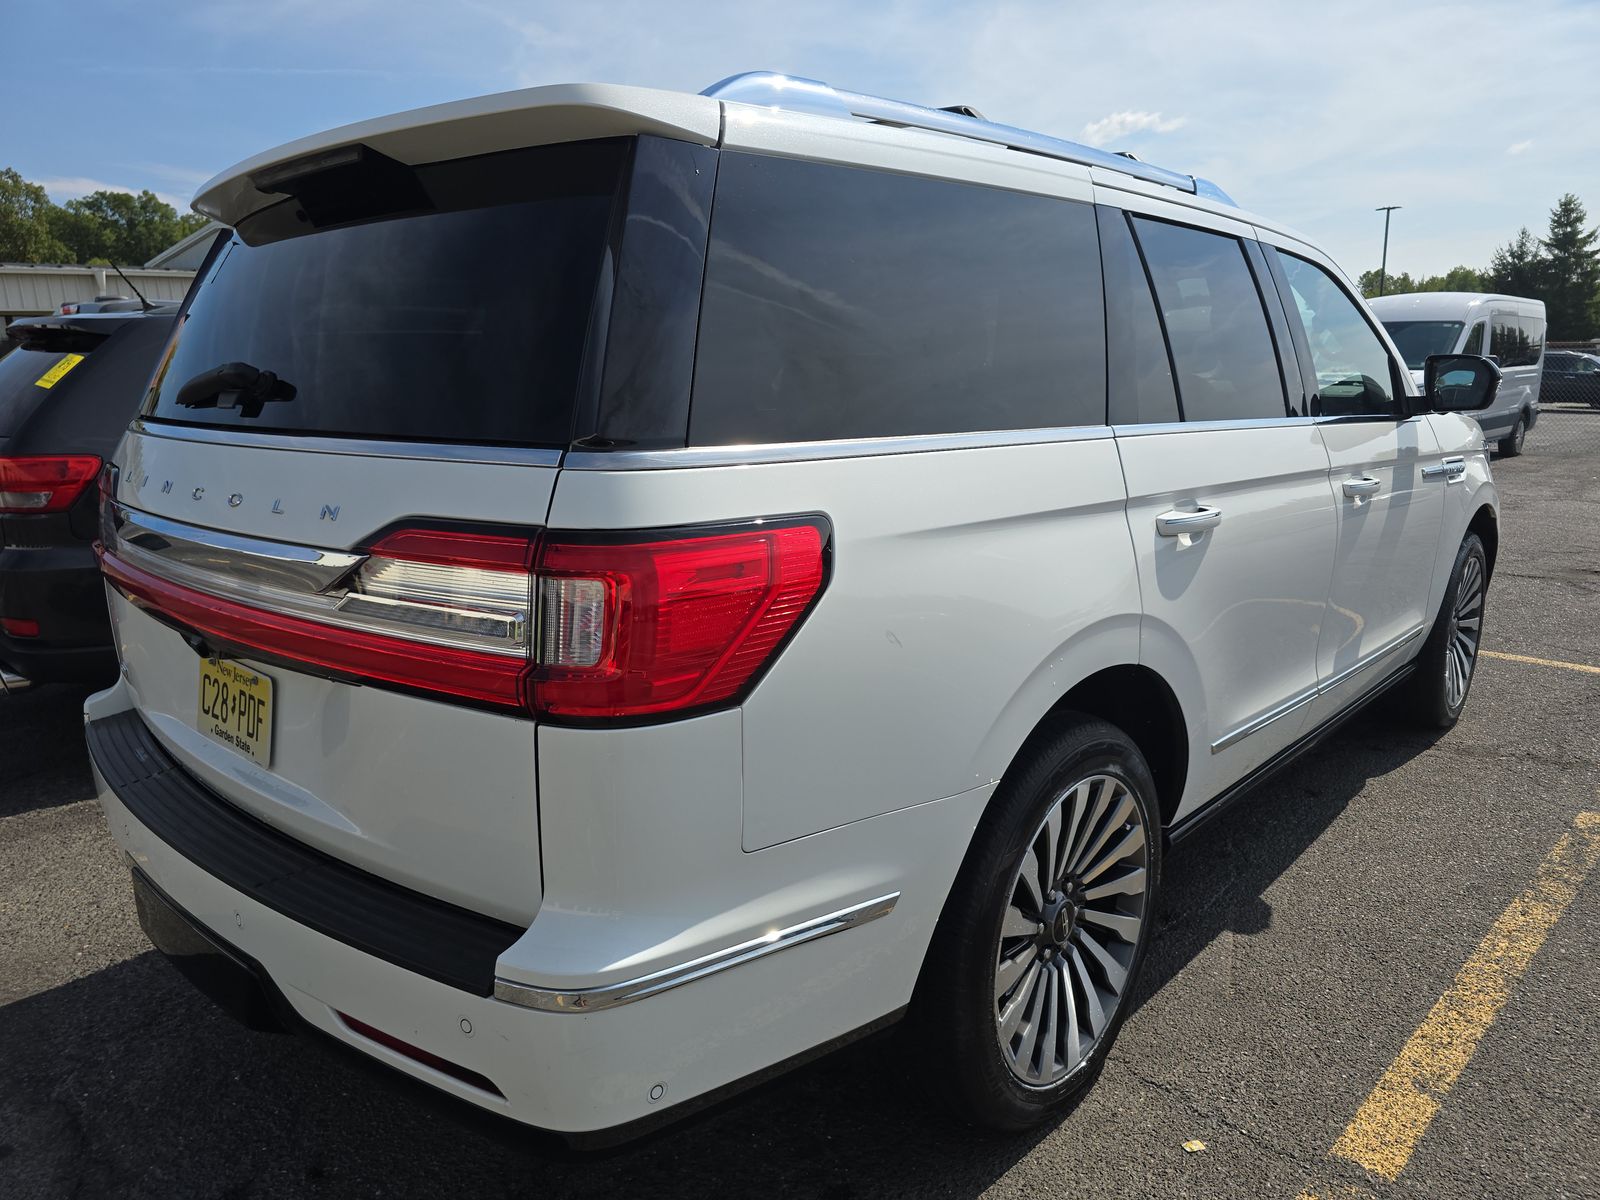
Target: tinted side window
(1222,351)
(1474,340)
(1139,373)
(1352,365)
(1506,340)
(847,303)
(1532,329)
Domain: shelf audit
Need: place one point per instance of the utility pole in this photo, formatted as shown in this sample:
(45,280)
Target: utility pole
(1383,270)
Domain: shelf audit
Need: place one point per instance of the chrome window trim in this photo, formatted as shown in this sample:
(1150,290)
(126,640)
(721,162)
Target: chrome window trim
(1300,699)
(782,452)
(1155,427)
(351,447)
(626,992)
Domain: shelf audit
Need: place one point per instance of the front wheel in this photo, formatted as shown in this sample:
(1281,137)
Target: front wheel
(1511,445)
(1449,658)
(1041,942)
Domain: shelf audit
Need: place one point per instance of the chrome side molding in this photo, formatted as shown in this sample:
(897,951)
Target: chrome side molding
(1256,724)
(253,560)
(626,992)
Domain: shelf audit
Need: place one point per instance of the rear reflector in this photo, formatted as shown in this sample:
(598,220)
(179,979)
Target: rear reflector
(19,627)
(44,483)
(427,1058)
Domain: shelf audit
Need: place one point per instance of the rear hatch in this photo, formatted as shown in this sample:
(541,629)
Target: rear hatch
(321,532)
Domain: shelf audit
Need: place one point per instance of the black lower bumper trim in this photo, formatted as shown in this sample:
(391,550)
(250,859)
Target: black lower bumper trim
(420,933)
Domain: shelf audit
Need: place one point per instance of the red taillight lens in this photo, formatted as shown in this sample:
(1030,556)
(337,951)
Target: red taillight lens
(20,627)
(637,629)
(44,483)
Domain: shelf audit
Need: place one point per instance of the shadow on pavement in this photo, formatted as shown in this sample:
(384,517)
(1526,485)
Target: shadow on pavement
(43,762)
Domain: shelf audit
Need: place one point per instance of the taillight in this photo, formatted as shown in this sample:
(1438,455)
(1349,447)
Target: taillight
(639,628)
(44,483)
(574,627)
(20,626)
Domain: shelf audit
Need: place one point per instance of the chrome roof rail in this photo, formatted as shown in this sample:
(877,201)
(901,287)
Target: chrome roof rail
(775,90)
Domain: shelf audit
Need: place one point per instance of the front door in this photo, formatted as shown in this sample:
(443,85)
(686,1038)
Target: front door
(1386,479)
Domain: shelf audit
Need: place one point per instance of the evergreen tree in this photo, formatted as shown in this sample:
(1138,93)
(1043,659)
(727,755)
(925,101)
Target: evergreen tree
(1517,268)
(1572,271)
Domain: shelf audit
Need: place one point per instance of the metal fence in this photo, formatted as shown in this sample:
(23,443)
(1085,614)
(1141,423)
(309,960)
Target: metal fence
(1569,400)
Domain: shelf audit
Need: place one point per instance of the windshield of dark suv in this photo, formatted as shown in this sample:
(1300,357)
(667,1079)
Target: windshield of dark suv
(463,321)
(1417,339)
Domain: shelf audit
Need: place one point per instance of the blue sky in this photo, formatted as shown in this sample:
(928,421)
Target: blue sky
(1475,116)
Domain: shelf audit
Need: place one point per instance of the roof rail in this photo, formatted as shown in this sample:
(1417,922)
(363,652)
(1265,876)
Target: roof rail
(775,90)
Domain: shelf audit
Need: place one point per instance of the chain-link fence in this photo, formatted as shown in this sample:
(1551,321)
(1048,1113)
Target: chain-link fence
(1568,418)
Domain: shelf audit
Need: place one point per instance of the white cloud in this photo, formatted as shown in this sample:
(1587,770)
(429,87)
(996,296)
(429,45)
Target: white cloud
(1120,124)
(75,187)
(1519,147)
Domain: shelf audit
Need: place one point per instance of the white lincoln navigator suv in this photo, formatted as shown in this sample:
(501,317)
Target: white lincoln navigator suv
(620,591)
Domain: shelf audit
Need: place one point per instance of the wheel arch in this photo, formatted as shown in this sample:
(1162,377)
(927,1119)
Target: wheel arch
(1486,524)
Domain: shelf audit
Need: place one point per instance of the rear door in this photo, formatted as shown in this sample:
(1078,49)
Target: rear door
(1385,476)
(345,456)
(1228,506)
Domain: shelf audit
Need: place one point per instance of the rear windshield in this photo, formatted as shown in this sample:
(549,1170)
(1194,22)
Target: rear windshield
(462,323)
(1417,339)
(29,377)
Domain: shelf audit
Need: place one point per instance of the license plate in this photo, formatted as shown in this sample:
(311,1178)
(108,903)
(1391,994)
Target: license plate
(236,708)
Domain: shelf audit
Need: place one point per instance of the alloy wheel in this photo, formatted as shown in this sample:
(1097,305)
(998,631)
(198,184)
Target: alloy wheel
(1466,628)
(1071,930)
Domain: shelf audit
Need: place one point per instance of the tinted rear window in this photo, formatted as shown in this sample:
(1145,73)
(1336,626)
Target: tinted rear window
(29,377)
(847,303)
(461,324)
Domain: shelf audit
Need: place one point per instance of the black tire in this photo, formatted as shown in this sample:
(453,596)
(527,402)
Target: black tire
(957,1009)
(1429,699)
(1511,445)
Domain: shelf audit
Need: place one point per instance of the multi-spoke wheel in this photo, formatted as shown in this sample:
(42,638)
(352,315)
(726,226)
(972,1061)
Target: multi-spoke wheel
(1466,628)
(1438,688)
(1070,931)
(1042,939)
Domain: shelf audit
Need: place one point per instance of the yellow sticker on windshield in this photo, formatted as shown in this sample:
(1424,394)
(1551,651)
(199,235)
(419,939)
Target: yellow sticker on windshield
(54,375)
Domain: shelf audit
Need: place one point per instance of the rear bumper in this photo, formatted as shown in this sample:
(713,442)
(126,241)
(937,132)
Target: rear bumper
(59,587)
(578,1061)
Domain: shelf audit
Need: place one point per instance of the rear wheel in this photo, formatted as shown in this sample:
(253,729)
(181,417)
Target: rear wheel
(1449,658)
(1042,940)
(1511,445)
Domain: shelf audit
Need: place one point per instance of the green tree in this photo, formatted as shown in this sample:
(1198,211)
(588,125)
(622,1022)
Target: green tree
(1518,267)
(1396,283)
(26,233)
(1572,271)
(121,227)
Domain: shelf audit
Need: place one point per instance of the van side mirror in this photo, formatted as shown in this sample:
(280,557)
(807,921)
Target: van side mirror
(1459,382)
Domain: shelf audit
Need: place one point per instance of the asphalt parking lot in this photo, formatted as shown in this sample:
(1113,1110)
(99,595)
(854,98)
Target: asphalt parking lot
(1309,950)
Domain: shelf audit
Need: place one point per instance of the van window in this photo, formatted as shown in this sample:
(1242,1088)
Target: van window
(1139,372)
(847,303)
(1417,339)
(1474,343)
(1222,351)
(462,323)
(1532,329)
(1354,377)
(1516,341)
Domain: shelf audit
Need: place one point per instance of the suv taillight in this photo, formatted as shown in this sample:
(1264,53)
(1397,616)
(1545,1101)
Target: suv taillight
(566,626)
(638,628)
(44,483)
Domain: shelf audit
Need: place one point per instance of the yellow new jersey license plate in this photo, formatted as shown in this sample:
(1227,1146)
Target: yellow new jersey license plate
(236,708)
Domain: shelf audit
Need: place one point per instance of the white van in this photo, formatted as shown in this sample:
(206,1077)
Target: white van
(1508,329)
(620,591)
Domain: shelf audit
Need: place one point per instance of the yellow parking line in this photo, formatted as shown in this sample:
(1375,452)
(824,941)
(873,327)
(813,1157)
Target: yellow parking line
(1395,1115)
(1541,662)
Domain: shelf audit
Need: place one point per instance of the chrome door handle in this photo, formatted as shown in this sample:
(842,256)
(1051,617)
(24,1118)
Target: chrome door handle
(1362,485)
(1451,470)
(1178,522)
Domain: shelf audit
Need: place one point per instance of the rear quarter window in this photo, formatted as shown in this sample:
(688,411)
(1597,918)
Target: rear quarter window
(847,303)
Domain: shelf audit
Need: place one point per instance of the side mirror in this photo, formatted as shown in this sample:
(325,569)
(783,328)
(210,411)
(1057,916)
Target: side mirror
(1459,382)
